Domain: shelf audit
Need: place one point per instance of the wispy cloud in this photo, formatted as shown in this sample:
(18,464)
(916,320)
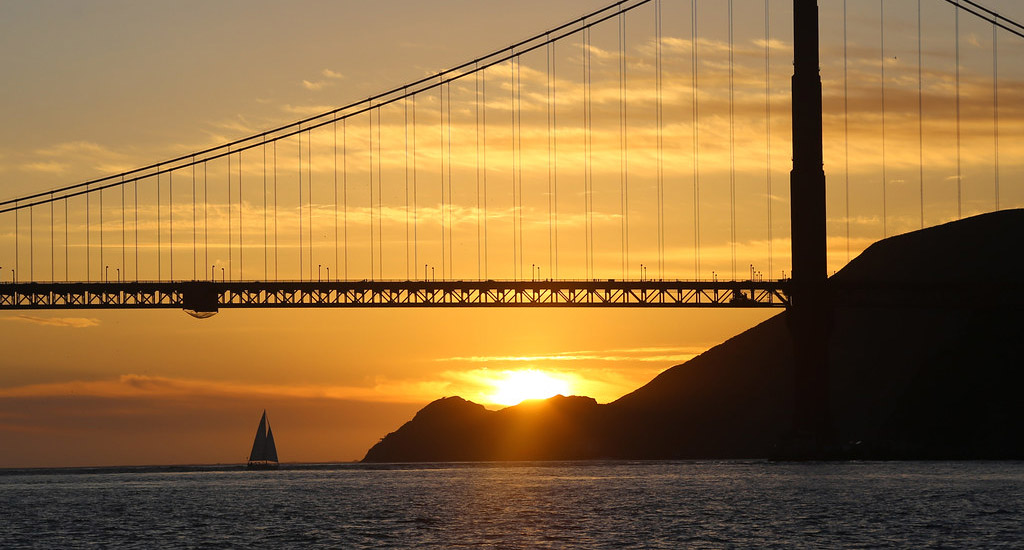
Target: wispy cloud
(158,387)
(317,85)
(649,354)
(477,384)
(314,86)
(47,167)
(70,322)
(306,110)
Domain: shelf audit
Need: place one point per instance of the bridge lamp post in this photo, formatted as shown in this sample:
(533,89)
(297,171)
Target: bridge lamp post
(223,277)
(328,273)
(106,273)
(118,274)
(318,272)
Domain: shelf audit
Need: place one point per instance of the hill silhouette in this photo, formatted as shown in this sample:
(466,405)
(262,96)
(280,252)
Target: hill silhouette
(931,370)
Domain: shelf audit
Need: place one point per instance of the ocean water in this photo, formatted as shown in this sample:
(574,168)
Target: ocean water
(522,505)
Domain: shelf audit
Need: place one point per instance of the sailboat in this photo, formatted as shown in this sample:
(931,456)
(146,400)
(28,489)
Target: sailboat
(264,452)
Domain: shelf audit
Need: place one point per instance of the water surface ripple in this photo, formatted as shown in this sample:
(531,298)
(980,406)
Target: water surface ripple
(523,505)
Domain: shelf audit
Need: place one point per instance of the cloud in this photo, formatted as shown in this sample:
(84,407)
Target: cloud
(317,85)
(476,383)
(314,86)
(71,322)
(48,167)
(306,110)
(70,156)
(648,354)
(158,387)
(73,147)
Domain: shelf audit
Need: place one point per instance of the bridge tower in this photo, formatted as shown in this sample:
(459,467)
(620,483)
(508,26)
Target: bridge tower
(810,313)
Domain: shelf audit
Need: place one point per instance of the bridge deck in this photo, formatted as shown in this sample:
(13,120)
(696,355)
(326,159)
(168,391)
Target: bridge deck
(208,296)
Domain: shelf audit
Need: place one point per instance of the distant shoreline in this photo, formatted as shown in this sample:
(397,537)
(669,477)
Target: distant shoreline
(329,466)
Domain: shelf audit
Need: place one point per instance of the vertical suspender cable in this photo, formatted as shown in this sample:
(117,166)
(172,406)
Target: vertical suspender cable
(17,239)
(441,172)
(67,256)
(309,198)
(881,58)
(623,154)
(380,201)
(344,177)
(159,231)
(587,176)
(231,207)
(995,106)
(660,130)
(846,128)
(551,251)
(920,116)
(309,202)
(554,147)
(32,244)
(483,133)
(519,145)
(768,122)
(124,254)
(694,58)
(373,254)
(170,224)
(276,277)
(515,217)
(476,97)
(451,197)
(302,247)
(231,245)
(52,267)
(135,210)
(416,238)
(334,128)
(195,259)
(732,145)
(240,212)
(266,264)
(100,194)
(405,108)
(959,193)
(415,193)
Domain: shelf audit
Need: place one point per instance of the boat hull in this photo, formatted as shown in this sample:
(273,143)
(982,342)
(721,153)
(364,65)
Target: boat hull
(260,465)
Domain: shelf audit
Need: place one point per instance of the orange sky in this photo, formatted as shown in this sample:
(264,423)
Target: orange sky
(100,89)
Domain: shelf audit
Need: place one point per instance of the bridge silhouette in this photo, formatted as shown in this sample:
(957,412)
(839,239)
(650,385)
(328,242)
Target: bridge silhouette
(604,162)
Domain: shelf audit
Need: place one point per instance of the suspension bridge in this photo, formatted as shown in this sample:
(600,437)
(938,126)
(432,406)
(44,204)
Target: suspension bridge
(631,157)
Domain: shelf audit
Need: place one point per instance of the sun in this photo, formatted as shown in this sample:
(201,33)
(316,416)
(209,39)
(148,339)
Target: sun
(516,386)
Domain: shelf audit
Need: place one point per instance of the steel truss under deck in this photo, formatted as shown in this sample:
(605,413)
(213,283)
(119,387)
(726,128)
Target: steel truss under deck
(207,296)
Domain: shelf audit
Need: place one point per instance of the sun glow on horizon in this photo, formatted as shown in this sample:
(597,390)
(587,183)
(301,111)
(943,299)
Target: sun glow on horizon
(515,386)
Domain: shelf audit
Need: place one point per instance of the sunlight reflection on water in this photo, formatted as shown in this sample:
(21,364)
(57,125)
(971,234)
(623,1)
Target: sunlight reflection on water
(527,505)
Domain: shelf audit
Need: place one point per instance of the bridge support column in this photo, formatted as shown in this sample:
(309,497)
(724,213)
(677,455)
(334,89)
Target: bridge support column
(810,314)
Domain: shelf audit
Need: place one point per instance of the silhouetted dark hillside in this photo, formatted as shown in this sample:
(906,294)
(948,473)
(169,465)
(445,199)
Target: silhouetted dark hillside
(910,381)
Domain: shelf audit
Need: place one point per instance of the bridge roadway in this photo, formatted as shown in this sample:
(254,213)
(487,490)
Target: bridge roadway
(209,296)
